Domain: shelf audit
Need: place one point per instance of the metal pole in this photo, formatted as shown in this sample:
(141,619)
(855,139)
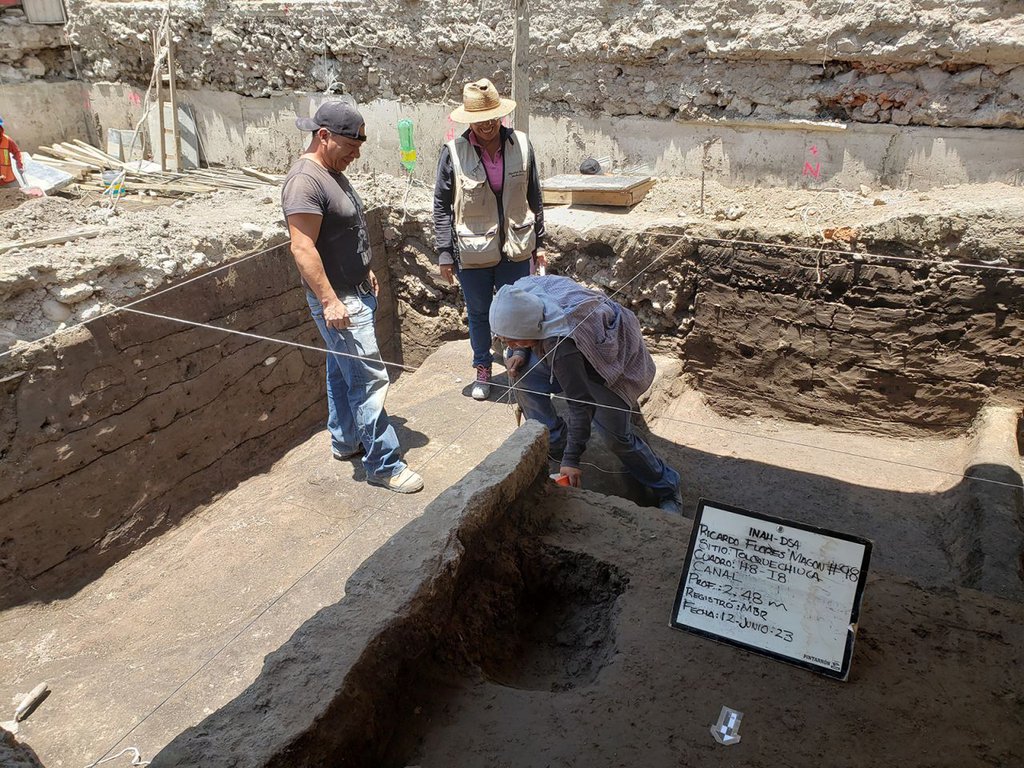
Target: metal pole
(521,67)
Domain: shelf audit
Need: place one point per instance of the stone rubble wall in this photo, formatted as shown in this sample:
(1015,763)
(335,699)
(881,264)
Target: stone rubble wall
(881,61)
(32,51)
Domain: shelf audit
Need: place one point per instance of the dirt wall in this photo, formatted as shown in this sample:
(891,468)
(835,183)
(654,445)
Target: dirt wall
(114,432)
(905,62)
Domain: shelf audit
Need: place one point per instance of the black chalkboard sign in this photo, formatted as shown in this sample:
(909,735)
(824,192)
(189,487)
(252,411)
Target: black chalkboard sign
(784,589)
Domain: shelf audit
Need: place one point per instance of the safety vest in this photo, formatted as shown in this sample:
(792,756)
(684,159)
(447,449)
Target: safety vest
(476,206)
(6,161)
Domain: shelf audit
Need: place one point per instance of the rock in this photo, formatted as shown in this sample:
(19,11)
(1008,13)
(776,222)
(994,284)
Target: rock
(252,229)
(932,79)
(878,201)
(735,212)
(56,311)
(802,108)
(970,78)
(75,294)
(169,266)
(865,190)
(93,310)
(33,67)
(875,81)
(900,117)
(869,109)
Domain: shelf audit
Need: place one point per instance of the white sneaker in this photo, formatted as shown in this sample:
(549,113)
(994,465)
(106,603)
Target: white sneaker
(482,386)
(405,481)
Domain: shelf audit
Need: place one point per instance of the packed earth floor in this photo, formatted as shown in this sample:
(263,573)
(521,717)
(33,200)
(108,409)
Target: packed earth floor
(569,659)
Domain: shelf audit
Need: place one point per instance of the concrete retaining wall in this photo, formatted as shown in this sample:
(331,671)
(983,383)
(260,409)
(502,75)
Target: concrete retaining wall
(239,130)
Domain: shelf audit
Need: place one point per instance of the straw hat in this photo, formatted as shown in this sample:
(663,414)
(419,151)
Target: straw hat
(481,102)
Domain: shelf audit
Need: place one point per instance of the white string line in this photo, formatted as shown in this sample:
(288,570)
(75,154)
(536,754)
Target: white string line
(373,513)
(22,347)
(136,759)
(298,344)
(855,254)
(515,387)
(782,440)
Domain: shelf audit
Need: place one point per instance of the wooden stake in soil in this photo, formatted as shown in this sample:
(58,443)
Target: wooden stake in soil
(160,101)
(172,91)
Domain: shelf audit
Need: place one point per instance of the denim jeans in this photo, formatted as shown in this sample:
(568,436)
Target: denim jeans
(356,388)
(479,287)
(532,390)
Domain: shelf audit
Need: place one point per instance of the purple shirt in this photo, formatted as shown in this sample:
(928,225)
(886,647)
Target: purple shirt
(494,166)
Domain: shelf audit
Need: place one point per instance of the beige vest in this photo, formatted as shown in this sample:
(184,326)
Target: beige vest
(476,207)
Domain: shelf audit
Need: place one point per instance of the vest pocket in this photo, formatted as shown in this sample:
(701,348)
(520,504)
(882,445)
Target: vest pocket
(520,241)
(479,250)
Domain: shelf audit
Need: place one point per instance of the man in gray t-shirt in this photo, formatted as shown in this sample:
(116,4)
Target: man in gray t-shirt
(332,252)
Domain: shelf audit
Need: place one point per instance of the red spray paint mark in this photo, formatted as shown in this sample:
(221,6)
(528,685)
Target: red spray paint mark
(812,170)
(134,98)
(814,151)
(450,133)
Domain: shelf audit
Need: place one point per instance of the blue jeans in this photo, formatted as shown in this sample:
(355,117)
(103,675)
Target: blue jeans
(614,422)
(479,286)
(356,388)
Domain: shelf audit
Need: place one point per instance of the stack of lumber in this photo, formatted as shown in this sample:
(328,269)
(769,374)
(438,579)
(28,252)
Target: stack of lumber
(86,162)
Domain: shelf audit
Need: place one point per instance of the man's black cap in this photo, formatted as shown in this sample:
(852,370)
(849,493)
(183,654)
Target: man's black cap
(337,117)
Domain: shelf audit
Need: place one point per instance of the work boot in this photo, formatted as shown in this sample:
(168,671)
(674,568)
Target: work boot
(405,481)
(482,385)
(672,504)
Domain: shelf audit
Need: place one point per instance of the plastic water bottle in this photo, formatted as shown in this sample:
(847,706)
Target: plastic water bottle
(405,143)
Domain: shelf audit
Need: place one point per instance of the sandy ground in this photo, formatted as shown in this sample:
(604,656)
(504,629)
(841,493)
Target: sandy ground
(181,626)
(231,583)
(592,674)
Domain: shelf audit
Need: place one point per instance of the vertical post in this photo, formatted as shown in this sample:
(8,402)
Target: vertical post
(521,67)
(172,92)
(162,142)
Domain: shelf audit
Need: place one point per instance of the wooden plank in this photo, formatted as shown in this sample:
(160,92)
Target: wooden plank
(160,101)
(521,67)
(583,182)
(614,193)
(172,91)
(67,237)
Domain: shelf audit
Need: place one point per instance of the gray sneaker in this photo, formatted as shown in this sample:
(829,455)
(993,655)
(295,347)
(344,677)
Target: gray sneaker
(405,481)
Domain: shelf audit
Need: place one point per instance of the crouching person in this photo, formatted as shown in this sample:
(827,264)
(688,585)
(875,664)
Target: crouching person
(562,337)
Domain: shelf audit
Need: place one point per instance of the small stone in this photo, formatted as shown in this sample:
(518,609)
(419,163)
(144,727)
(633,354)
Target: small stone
(900,117)
(56,311)
(735,212)
(169,266)
(252,229)
(865,190)
(878,201)
(93,310)
(270,361)
(74,294)
(33,66)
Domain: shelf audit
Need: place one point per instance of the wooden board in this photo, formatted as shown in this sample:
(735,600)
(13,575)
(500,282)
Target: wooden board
(581,189)
(784,589)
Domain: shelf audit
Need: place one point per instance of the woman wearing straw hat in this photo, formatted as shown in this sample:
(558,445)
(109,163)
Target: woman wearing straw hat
(488,216)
